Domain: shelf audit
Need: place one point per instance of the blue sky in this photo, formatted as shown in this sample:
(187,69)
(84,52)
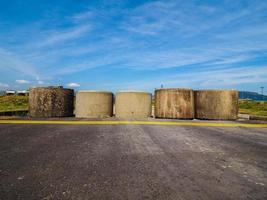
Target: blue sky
(133,45)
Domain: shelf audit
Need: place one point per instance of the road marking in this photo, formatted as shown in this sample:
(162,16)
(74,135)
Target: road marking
(179,123)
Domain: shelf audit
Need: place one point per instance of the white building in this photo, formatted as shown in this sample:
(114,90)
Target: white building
(10,92)
(23,92)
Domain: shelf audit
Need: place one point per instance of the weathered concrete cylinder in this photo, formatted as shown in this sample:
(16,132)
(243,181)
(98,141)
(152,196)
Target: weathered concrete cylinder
(174,103)
(51,102)
(216,104)
(133,104)
(94,104)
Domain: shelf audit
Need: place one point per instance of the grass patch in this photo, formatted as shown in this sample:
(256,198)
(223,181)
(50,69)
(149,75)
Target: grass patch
(13,103)
(253,107)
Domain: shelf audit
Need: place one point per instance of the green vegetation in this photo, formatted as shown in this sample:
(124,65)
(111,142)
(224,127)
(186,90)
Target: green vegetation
(253,107)
(13,103)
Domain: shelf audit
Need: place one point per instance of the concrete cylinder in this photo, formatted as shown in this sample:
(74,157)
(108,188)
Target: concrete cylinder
(133,104)
(94,104)
(216,104)
(174,103)
(51,102)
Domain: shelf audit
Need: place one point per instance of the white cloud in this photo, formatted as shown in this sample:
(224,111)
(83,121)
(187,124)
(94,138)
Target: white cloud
(187,19)
(11,61)
(230,78)
(73,85)
(22,81)
(61,36)
(221,77)
(153,36)
(4,85)
(159,18)
(82,16)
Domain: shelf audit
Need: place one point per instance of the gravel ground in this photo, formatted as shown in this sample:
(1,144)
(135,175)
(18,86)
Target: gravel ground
(132,162)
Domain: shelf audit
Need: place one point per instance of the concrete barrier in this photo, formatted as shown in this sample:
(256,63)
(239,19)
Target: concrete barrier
(94,104)
(174,103)
(133,104)
(216,104)
(51,102)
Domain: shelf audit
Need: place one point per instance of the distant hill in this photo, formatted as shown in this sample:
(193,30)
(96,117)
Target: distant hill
(252,95)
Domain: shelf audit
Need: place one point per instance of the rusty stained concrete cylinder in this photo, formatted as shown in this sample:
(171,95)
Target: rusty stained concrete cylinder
(174,103)
(216,104)
(133,104)
(94,104)
(51,102)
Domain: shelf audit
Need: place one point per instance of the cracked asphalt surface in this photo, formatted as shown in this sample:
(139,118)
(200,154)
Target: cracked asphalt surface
(132,162)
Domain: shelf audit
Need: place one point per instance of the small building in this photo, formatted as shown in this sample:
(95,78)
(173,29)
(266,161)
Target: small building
(23,93)
(10,92)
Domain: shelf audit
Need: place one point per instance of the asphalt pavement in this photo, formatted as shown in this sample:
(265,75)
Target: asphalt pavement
(54,161)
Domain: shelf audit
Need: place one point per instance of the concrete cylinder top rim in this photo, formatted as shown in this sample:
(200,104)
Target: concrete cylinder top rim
(50,88)
(218,90)
(131,91)
(173,89)
(94,91)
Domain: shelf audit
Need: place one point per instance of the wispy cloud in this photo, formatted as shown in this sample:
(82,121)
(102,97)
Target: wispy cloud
(173,38)
(83,16)
(73,85)
(65,35)
(222,77)
(162,17)
(187,18)
(40,82)
(11,61)
(3,85)
(22,81)
(215,78)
